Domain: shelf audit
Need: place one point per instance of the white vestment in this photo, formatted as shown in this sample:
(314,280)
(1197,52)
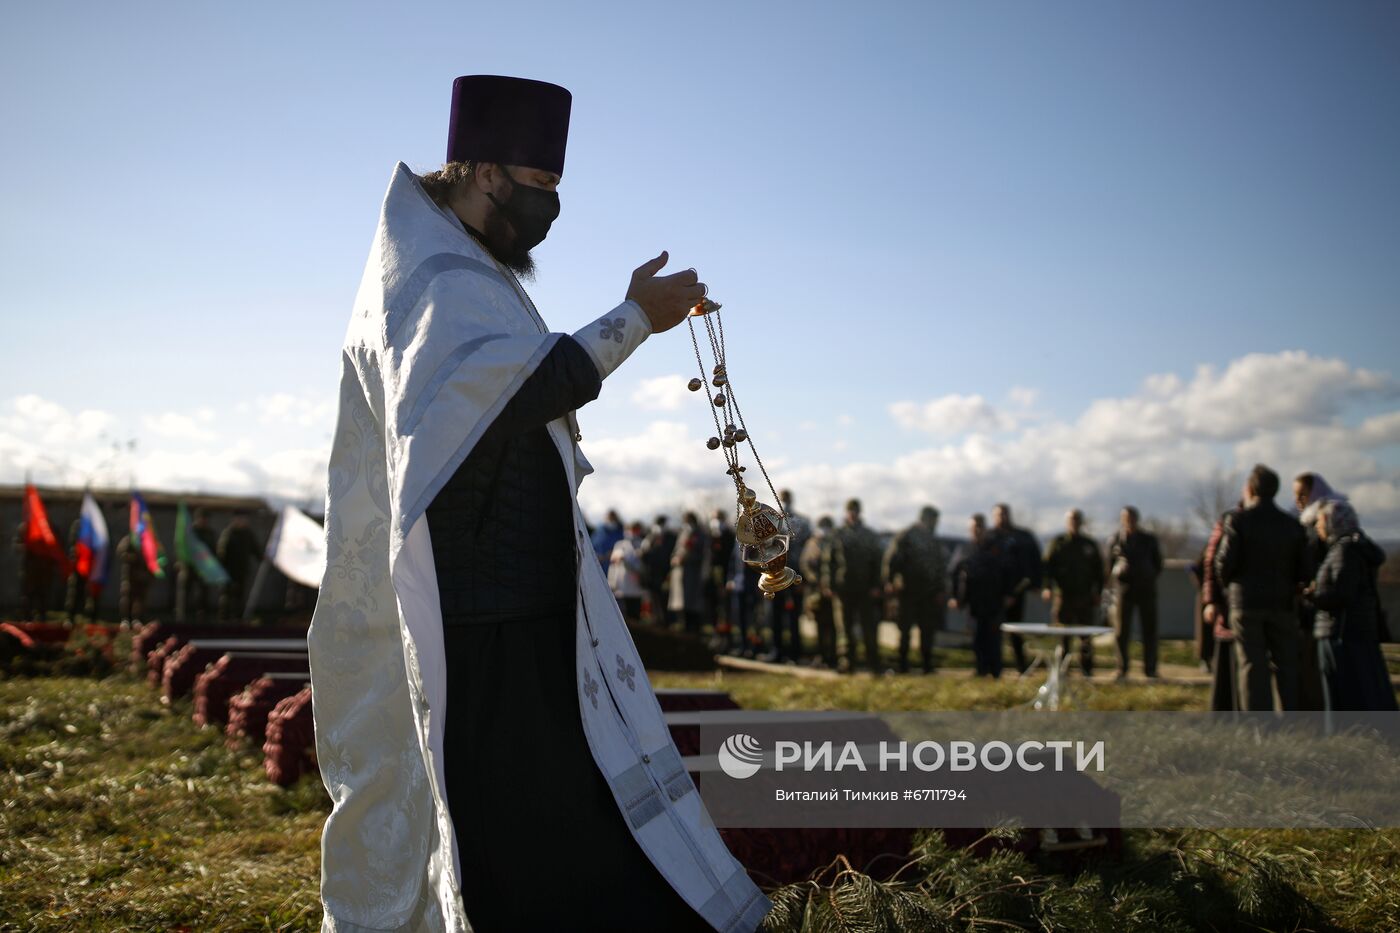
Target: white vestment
(439,341)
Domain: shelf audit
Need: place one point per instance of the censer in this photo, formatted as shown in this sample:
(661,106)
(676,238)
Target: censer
(762,531)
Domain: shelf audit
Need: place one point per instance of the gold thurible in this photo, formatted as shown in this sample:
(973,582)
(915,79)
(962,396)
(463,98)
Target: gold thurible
(763,532)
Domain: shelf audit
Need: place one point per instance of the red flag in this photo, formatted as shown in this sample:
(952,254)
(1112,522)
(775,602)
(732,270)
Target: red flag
(39,538)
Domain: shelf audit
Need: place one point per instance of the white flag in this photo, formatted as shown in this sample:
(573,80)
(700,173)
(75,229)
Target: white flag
(297,547)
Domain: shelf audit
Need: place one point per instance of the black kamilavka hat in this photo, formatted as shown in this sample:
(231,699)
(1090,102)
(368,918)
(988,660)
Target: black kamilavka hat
(509,121)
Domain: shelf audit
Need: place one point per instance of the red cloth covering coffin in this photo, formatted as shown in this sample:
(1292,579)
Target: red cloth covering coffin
(155,662)
(223,680)
(290,749)
(145,638)
(248,712)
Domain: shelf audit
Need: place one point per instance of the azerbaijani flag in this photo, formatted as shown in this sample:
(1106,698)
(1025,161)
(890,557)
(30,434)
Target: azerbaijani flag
(39,538)
(193,552)
(93,543)
(143,535)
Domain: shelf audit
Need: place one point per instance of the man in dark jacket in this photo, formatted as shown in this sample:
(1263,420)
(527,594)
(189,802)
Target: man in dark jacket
(1074,579)
(657,548)
(1023,551)
(984,577)
(916,573)
(820,565)
(1137,562)
(1261,561)
(716,602)
(858,587)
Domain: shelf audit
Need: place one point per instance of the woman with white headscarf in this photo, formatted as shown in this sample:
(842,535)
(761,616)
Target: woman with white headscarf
(1310,494)
(1347,626)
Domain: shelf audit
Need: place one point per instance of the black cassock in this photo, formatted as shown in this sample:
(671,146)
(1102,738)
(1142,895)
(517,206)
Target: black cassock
(542,843)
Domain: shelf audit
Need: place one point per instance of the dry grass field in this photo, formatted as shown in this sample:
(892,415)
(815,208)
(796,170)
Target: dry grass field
(118,813)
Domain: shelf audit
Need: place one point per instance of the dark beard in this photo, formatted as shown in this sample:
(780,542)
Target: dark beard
(500,240)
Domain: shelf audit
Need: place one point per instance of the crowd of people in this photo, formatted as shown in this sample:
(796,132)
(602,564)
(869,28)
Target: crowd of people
(1291,612)
(1291,604)
(693,577)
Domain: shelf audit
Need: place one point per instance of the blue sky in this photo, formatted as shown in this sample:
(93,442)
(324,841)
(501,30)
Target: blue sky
(1035,205)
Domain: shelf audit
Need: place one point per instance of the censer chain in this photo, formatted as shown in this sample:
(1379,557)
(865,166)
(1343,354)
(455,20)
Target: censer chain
(734,414)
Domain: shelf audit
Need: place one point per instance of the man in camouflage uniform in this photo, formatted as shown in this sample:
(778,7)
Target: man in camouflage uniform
(35,576)
(916,573)
(80,598)
(819,564)
(192,593)
(857,587)
(785,609)
(1074,579)
(136,580)
(238,550)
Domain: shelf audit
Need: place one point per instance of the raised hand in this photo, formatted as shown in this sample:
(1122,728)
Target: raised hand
(665,299)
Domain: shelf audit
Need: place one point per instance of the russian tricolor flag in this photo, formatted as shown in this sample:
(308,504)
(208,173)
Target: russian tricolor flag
(93,543)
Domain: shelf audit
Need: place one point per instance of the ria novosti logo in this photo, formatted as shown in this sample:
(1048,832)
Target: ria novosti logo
(741,756)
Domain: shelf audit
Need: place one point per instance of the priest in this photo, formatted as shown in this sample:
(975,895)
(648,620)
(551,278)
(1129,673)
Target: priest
(495,755)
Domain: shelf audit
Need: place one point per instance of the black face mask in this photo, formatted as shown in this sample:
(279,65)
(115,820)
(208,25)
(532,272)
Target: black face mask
(530,211)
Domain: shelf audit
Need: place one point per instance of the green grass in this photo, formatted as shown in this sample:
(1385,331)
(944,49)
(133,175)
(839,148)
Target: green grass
(118,813)
(914,692)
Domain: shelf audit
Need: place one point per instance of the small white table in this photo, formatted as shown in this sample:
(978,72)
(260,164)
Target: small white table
(1057,663)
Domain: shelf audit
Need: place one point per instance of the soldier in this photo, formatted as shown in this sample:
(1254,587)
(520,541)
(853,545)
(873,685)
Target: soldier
(1024,553)
(35,576)
(136,581)
(785,609)
(819,564)
(1074,580)
(191,592)
(238,550)
(916,574)
(1137,562)
(75,600)
(857,587)
(716,603)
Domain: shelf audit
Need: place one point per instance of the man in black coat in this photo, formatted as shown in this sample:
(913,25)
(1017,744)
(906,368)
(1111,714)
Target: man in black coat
(983,577)
(1261,560)
(1023,551)
(1137,563)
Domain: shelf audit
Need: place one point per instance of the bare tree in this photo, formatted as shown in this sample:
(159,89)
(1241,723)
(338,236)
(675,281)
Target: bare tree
(1174,538)
(1211,497)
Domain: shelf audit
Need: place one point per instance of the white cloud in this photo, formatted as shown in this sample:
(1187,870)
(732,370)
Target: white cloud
(180,427)
(1290,410)
(284,408)
(663,393)
(951,415)
(1023,397)
(1148,448)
